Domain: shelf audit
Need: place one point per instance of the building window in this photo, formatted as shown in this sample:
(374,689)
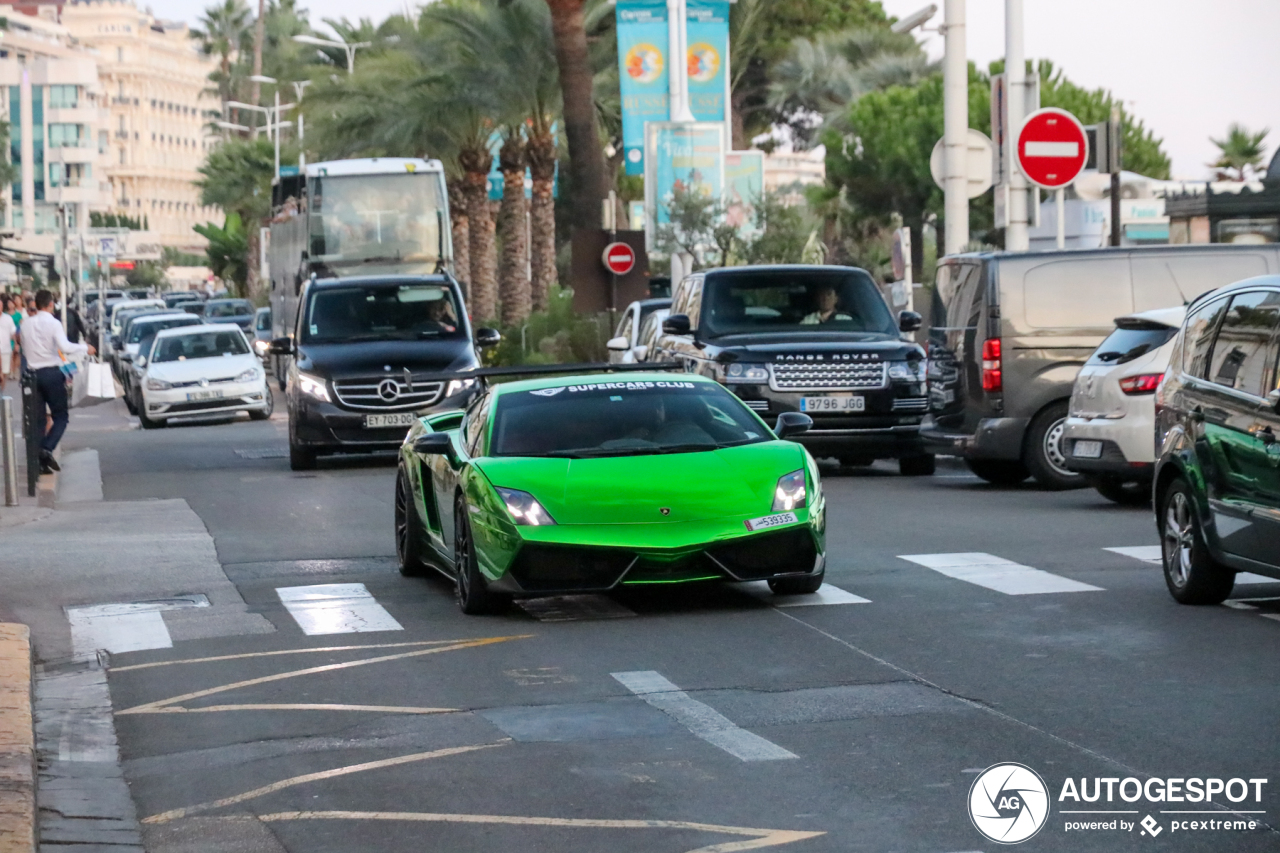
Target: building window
(55,174)
(119,54)
(121,156)
(63,97)
(102,141)
(67,135)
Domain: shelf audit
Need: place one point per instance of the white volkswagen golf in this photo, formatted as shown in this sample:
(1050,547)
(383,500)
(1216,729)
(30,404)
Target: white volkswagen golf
(1110,430)
(201,370)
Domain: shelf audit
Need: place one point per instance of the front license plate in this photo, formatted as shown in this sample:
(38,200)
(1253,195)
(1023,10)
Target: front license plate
(1087,449)
(403,419)
(833,404)
(203,395)
(775,520)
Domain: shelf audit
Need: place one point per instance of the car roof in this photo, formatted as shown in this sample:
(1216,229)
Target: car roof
(1189,248)
(143,319)
(1243,284)
(228,299)
(364,280)
(203,327)
(654,303)
(560,381)
(1171,317)
(785,268)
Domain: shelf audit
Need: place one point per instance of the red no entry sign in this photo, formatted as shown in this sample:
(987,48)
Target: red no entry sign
(619,258)
(1052,148)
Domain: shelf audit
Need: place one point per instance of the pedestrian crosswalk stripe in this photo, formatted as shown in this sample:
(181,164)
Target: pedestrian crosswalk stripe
(1151,554)
(826,594)
(997,573)
(127,626)
(336,608)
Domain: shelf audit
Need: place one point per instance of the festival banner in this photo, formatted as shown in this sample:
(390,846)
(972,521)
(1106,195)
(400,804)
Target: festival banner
(680,156)
(642,73)
(708,59)
(743,187)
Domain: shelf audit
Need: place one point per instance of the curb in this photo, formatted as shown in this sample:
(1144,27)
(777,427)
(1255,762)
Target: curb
(17,742)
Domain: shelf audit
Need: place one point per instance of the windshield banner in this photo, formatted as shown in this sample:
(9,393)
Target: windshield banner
(642,73)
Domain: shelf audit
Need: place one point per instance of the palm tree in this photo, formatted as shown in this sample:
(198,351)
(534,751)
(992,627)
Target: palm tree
(221,32)
(1242,150)
(587,177)
(513,278)
(460,224)
(237,178)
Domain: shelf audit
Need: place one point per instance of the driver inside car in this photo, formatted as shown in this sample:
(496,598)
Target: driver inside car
(826,301)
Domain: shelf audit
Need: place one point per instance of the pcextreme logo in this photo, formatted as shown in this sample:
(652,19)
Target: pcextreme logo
(1008,803)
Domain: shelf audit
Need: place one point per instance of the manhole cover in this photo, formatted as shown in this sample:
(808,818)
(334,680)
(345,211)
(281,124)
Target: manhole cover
(263,452)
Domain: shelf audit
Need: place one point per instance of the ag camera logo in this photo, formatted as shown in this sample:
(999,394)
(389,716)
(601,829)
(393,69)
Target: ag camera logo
(1008,803)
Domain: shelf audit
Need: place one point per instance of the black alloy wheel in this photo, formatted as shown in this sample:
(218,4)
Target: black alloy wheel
(474,597)
(408,533)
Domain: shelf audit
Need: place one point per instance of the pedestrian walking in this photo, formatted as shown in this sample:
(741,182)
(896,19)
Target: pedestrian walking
(44,344)
(8,339)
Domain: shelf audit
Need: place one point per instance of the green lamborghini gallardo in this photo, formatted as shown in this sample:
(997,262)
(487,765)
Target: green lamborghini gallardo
(569,484)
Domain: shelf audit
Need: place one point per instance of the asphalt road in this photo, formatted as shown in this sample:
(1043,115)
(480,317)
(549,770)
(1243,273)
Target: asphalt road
(686,719)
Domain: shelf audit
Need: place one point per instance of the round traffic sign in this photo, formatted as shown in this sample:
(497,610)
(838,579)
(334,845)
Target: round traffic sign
(980,160)
(1052,148)
(619,258)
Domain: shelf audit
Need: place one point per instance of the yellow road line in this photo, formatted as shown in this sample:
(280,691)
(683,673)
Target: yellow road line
(381,709)
(163,704)
(282,652)
(175,814)
(757,838)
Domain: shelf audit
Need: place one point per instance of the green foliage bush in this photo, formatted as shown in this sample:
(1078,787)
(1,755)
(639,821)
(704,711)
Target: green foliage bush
(558,335)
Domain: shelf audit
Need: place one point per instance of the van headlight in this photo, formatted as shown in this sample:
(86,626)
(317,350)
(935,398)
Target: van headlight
(249,375)
(313,386)
(790,492)
(457,386)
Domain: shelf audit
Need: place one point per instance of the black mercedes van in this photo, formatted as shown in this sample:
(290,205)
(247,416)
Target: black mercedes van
(369,355)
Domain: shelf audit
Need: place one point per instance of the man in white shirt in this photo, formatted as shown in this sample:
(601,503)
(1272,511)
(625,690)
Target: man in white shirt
(42,342)
(8,331)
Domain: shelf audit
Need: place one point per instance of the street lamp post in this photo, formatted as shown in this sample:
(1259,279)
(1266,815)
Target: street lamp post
(349,47)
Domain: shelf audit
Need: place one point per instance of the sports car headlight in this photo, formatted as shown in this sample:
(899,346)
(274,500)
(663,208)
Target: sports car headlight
(524,508)
(248,375)
(790,493)
(313,386)
(746,373)
(158,384)
(457,386)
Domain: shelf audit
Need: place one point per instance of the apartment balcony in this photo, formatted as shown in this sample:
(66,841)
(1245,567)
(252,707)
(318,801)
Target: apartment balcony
(81,114)
(88,193)
(72,154)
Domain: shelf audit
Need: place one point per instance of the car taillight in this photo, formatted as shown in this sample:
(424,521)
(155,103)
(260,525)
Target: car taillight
(1144,383)
(991,379)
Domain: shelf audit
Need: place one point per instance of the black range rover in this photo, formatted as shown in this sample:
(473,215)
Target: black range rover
(812,339)
(369,356)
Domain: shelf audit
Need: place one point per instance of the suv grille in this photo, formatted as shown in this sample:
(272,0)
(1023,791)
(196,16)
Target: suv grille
(820,376)
(375,393)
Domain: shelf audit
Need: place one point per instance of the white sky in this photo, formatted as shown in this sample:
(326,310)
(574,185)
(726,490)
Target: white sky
(1188,68)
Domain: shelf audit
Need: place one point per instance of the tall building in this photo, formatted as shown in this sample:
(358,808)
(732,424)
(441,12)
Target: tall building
(155,80)
(57,116)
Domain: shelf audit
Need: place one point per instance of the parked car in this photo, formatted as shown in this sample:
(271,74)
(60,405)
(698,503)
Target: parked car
(1010,331)
(238,311)
(121,320)
(173,297)
(1107,437)
(136,338)
(118,312)
(1217,473)
(623,345)
(201,370)
(262,332)
(193,306)
(813,339)
(650,331)
(369,355)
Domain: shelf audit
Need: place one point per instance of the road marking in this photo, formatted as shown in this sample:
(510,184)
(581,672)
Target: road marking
(125,626)
(826,594)
(1152,554)
(701,719)
(176,814)
(167,706)
(997,573)
(154,664)
(336,608)
(760,838)
(1275,616)
(573,608)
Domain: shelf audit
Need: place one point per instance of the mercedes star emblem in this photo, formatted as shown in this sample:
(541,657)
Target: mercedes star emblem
(388,389)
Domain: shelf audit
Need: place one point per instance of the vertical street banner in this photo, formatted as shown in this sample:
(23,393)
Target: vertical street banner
(642,73)
(688,157)
(708,59)
(743,187)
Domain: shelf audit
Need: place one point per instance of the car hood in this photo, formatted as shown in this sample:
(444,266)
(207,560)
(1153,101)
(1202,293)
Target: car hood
(769,347)
(735,481)
(195,369)
(364,357)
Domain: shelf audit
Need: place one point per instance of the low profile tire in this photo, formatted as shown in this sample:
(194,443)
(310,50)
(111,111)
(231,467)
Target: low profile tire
(474,596)
(148,423)
(301,458)
(408,532)
(998,472)
(128,403)
(1045,453)
(1190,572)
(918,466)
(797,586)
(264,414)
(1123,492)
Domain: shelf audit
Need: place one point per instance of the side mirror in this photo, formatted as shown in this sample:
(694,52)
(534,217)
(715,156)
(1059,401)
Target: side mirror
(281,346)
(909,321)
(487,337)
(619,344)
(792,423)
(676,324)
(142,361)
(433,443)
(642,352)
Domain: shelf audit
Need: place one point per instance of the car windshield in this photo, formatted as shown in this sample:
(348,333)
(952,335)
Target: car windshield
(357,219)
(138,331)
(794,302)
(382,312)
(621,418)
(201,345)
(1126,344)
(239,308)
(196,308)
(263,323)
